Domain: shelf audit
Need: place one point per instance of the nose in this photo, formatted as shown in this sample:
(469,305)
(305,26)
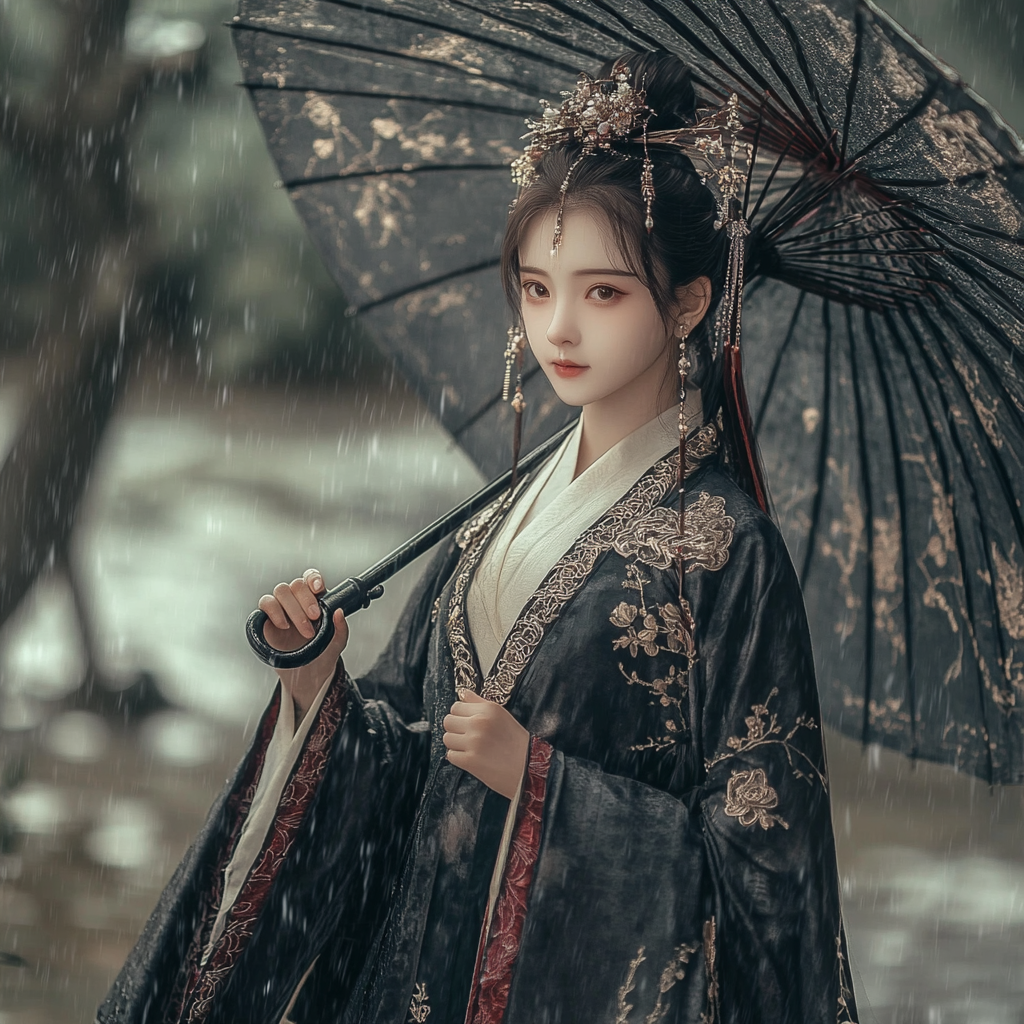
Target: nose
(562,328)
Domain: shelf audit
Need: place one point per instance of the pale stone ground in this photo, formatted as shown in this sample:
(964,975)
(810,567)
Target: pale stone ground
(201,501)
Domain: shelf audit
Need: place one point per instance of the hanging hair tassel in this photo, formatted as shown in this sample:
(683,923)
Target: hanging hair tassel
(739,428)
(514,354)
(684,369)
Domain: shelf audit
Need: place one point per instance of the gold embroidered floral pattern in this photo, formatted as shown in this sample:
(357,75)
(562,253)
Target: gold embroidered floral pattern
(844,1015)
(418,1009)
(566,577)
(655,537)
(749,798)
(662,630)
(711,1014)
(673,972)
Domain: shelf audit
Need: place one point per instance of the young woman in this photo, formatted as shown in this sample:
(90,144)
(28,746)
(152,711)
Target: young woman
(564,792)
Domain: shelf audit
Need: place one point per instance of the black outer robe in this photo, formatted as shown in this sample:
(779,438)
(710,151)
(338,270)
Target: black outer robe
(671,857)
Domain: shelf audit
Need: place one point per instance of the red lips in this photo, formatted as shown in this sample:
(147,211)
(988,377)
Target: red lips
(567,368)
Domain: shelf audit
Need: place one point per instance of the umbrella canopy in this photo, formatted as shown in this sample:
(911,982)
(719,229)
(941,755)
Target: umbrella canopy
(883,325)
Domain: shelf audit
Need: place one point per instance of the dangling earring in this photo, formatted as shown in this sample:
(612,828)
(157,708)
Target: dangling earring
(684,369)
(514,355)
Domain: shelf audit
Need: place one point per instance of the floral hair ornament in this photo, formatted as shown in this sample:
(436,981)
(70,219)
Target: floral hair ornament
(597,113)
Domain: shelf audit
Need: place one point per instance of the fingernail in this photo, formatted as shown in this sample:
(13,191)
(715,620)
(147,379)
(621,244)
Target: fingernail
(315,582)
(313,611)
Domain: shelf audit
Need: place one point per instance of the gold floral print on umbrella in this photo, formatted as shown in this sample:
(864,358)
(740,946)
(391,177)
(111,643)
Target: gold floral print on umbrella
(566,577)
(672,973)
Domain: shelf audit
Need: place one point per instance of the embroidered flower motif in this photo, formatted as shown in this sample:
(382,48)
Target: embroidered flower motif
(624,615)
(654,538)
(749,798)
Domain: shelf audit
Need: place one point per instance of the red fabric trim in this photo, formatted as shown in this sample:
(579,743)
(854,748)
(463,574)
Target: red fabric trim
(206,979)
(497,953)
(237,808)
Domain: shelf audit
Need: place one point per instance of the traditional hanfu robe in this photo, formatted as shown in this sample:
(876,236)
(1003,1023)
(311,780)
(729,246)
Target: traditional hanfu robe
(669,855)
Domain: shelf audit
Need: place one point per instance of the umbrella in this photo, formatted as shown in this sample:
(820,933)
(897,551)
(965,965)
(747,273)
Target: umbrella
(883,324)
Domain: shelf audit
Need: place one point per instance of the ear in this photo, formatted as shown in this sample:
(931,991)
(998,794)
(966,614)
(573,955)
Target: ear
(692,301)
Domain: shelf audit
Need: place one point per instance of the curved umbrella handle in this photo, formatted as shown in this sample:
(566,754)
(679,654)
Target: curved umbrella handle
(358,591)
(349,596)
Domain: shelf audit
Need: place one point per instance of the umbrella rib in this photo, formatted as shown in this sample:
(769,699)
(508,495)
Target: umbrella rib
(486,108)
(754,152)
(851,218)
(761,45)
(1005,300)
(755,78)
(947,481)
(974,254)
(380,172)
(793,189)
(826,427)
(997,460)
(730,83)
(801,59)
(974,229)
(963,179)
(865,476)
(851,92)
(993,331)
(577,15)
(423,285)
(393,55)
(463,33)
(922,102)
(768,182)
(777,362)
(901,501)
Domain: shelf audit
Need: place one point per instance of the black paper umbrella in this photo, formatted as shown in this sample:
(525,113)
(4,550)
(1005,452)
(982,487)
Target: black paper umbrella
(883,330)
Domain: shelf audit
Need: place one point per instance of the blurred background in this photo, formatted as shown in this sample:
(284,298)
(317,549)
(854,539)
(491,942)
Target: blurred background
(187,416)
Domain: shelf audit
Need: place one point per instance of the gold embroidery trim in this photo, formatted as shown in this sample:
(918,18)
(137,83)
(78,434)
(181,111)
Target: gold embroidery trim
(711,1014)
(419,1011)
(566,577)
(674,971)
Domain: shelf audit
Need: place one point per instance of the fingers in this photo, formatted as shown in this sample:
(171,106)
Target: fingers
(295,604)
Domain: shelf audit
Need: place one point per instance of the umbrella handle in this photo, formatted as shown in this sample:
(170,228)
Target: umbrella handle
(349,596)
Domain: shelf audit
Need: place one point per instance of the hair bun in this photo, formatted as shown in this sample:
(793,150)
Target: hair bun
(667,80)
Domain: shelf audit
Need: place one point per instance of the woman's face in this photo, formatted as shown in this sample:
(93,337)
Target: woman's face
(591,324)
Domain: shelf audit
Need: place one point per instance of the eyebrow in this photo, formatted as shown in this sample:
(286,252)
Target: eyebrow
(589,272)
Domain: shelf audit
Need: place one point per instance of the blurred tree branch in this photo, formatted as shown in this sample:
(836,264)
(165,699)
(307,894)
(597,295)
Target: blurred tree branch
(95,242)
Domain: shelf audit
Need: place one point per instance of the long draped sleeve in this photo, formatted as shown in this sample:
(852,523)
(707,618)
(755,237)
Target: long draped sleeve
(713,895)
(318,887)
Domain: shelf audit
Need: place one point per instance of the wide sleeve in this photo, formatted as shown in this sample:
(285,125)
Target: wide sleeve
(764,803)
(717,903)
(319,882)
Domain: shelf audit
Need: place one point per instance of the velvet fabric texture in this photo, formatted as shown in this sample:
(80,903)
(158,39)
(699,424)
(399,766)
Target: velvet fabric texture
(671,855)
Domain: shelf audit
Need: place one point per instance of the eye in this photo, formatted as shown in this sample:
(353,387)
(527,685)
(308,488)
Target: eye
(535,290)
(603,292)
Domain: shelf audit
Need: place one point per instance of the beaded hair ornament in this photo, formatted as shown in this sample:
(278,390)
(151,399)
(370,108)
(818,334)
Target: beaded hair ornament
(602,112)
